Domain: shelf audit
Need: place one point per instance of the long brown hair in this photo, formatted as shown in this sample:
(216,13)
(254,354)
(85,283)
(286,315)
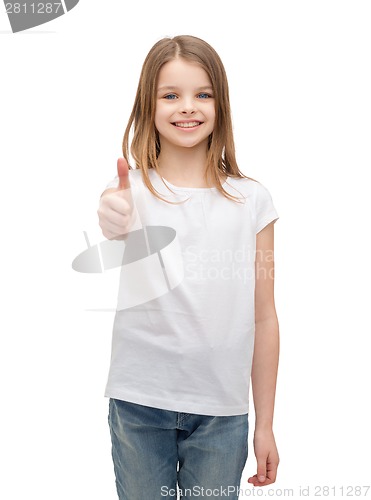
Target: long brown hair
(145,144)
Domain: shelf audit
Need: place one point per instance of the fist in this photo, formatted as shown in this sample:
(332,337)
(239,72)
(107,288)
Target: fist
(116,207)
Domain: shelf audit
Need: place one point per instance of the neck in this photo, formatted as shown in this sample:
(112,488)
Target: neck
(183,165)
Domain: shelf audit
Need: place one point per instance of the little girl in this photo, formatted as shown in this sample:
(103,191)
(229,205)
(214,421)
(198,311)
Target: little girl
(181,362)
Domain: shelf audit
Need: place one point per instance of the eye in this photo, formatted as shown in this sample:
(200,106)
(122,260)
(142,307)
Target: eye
(170,96)
(204,95)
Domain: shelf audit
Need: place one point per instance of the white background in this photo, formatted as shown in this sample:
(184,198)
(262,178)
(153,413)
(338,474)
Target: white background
(300,80)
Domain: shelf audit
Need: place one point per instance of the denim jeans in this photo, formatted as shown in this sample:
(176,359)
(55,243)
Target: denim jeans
(159,452)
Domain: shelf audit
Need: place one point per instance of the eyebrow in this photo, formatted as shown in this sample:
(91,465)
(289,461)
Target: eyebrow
(172,87)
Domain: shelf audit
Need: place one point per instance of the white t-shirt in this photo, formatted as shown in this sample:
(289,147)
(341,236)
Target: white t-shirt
(190,350)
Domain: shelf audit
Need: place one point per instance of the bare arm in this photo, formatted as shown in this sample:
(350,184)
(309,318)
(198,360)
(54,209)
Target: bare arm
(265,360)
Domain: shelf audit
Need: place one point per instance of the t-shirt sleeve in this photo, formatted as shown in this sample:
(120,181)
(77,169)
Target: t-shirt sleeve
(265,211)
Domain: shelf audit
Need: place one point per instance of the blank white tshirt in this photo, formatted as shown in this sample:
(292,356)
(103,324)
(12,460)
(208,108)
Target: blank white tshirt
(190,350)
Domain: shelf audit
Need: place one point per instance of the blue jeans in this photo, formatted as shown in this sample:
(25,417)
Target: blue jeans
(155,452)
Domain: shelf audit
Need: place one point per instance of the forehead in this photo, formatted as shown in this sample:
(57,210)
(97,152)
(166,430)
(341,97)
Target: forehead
(178,72)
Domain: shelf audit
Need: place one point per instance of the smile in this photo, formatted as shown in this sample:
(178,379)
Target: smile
(187,124)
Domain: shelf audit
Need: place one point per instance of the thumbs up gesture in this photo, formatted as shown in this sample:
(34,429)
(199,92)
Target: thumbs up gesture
(116,208)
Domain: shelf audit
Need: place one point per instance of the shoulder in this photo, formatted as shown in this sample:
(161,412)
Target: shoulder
(249,187)
(135,175)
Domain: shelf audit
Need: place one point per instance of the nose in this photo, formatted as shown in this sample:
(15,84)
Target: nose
(188,107)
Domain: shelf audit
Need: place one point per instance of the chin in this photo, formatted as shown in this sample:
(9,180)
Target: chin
(192,144)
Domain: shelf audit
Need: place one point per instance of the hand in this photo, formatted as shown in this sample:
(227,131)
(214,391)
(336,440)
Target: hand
(266,456)
(116,206)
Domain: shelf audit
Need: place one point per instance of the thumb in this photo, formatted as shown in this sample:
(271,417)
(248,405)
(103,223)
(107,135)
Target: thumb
(262,471)
(123,173)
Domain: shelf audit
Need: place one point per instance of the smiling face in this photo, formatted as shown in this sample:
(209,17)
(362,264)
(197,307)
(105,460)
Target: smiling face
(185,106)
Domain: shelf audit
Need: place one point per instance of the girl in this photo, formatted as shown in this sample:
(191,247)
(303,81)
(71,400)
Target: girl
(181,363)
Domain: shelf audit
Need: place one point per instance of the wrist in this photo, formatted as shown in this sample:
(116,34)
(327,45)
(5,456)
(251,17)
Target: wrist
(263,424)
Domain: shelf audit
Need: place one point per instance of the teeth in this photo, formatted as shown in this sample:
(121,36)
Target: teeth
(187,125)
